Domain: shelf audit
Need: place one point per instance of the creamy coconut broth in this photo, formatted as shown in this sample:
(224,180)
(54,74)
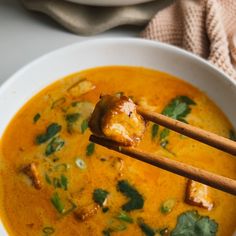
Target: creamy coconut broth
(55,182)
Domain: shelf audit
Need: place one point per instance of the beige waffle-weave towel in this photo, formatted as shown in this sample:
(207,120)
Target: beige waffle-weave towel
(204,27)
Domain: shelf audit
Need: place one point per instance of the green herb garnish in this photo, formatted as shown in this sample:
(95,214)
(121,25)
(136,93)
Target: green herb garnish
(178,108)
(62,167)
(90,149)
(71,209)
(57,203)
(124,217)
(64,182)
(51,131)
(55,145)
(146,229)
(164,133)
(99,196)
(136,199)
(155,128)
(36,117)
(84,126)
(117,228)
(48,179)
(167,206)
(191,223)
(48,230)
(73,117)
(56,182)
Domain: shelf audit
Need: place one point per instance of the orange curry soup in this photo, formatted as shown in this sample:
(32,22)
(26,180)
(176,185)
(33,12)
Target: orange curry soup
(85,189)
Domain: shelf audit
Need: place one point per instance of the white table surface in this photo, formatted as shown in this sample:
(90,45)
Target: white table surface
(24,36)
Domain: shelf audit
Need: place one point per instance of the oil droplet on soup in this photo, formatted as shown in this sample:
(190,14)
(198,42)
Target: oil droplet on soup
(55,182)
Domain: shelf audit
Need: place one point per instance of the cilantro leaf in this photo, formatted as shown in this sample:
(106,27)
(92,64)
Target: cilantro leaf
(178,108)
(146,229)
(99,196)
(136,200)
(190,223)
(51,131)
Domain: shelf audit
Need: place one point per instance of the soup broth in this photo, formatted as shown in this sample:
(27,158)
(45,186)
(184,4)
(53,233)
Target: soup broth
(55,182)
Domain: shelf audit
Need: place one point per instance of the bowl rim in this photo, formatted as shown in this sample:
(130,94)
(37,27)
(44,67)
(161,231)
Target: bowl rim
(138,41)
(107,3)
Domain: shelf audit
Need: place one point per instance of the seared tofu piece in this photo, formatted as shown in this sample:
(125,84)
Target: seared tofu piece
(86,212)
(116,118)
(197,195)
(32,172)
(81,87)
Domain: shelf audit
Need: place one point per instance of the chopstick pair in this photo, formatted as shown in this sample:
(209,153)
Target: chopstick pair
(216,181)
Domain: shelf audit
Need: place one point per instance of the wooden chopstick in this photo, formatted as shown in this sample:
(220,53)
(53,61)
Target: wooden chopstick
(201,135)
(216,181)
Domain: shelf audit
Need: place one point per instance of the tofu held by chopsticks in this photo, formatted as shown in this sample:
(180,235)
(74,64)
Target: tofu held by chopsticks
(115,117)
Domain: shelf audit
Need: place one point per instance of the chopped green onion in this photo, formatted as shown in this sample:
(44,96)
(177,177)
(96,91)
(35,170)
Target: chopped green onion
(164,133)
(55,145)
(48,179)
(124,217)
(56,183)
(146,229)
(80,163)
(155,129)
(36,117)
(84,126)
(64,182)
(168,206)
(90,149)
(48,231)
(71,209)
(57,203)
(164,143)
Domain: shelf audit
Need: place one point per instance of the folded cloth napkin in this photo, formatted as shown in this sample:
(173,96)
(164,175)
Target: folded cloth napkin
(88,20)
(204,27)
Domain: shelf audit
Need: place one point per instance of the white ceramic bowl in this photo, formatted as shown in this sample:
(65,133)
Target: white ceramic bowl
(110,2)
(134,52)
